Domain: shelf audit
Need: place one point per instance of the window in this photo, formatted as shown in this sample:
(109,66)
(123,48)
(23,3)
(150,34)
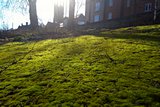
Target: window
(109,15)
(96,18)
(110,3)
(148,7)
(98,5)
(128,3)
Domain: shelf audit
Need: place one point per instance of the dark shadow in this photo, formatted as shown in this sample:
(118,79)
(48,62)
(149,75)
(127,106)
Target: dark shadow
(150,35)
(133,36)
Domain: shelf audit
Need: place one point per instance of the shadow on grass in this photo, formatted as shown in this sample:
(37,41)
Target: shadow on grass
(140,33)
(133,36)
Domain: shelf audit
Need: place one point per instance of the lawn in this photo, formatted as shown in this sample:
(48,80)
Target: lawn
(116,68)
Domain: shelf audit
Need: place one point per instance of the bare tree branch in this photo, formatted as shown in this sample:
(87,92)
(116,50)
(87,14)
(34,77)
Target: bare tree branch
(22,6)
(79,4)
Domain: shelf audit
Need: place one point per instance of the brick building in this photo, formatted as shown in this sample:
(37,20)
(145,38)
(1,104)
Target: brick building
(103,10)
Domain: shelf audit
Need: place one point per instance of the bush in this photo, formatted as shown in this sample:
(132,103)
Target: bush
(18,39)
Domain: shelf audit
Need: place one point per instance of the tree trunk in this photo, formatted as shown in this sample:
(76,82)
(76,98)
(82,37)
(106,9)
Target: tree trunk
(33,13)
(155,10)
(71,12)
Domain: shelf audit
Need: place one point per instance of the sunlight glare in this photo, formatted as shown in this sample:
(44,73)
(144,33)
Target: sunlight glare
(45,9)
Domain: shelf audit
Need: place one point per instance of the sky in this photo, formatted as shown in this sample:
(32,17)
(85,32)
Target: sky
(45,12)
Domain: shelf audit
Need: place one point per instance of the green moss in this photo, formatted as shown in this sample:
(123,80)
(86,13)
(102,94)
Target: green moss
(117,68)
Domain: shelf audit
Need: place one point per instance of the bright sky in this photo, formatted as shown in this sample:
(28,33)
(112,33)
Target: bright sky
(45,11)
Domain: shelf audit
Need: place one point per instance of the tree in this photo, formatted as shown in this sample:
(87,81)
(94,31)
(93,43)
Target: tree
(33,13)
(58,13)
(71,9)
(79,4)
(71,12)
(23,5)
(4,26)
(156,9)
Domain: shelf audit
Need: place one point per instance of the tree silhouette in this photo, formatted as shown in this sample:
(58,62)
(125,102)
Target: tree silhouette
(79,4)
(23,5)
(33,13)
(71,12)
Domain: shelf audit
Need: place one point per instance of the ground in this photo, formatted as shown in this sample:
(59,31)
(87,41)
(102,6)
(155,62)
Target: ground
(114,68)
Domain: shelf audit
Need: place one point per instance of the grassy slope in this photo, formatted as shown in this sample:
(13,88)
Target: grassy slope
(117,68)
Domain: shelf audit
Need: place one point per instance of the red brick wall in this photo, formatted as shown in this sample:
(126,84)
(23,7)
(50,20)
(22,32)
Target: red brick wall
(119,9)
(90,10)
(128,11)
(115,10)
(137,7)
